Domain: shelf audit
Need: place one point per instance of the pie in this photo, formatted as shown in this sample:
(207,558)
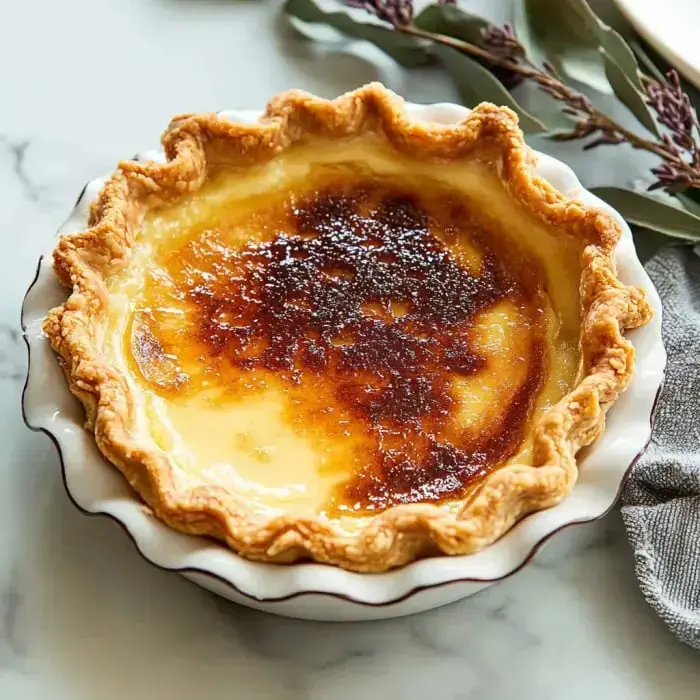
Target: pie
(342,335)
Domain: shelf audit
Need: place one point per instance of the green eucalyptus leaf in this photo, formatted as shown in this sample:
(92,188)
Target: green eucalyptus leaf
(477,84)
(611,42)
(454,22)
(646,61)
(690,199)
(610,15)
(652,213)
(619,50)
(408,51)
(451,21)
(648,243)
(562,33)
(628,93)
(576,41)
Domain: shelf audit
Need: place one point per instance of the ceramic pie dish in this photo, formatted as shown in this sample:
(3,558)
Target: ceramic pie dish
(412,587)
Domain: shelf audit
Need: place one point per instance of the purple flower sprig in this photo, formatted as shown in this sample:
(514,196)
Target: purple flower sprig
(679,148)
(398,13)
(672,106)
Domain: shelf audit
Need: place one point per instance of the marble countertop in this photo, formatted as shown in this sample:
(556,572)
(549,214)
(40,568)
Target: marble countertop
(81,614)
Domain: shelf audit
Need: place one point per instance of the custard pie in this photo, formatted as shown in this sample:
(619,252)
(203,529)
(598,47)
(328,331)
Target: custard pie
(341,335)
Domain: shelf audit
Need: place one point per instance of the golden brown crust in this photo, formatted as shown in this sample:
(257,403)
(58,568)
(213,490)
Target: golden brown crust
(83,261)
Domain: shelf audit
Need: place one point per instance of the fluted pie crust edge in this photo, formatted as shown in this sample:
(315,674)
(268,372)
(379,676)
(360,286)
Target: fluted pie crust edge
(84,261)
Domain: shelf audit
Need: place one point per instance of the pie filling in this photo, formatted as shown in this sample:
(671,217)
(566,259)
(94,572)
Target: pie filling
(340,330)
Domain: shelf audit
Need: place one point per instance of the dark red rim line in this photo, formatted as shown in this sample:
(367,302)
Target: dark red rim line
(340,596)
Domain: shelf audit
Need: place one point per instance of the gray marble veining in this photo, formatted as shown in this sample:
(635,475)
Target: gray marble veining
(12,354)
(81,614)
(12,646)
(17,151)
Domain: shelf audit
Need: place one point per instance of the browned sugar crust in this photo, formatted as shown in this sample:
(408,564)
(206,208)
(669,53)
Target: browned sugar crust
(359,309)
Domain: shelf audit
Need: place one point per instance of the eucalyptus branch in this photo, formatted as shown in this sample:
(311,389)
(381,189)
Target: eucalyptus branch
(500,48)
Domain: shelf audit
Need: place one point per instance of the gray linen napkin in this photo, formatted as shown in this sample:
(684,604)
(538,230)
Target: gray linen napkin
(661,501)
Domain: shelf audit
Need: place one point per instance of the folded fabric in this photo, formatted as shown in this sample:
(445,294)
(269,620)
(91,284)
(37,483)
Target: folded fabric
(661,501)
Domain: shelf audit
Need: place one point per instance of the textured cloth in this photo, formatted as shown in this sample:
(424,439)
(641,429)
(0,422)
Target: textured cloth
(661,501)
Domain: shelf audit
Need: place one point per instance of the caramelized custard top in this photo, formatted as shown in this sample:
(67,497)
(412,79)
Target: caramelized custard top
(358,299)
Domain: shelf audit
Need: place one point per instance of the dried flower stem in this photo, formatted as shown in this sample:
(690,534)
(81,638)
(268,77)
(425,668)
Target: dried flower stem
(675,174)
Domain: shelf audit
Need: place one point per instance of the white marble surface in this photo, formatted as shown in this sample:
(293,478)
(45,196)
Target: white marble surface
(83,83)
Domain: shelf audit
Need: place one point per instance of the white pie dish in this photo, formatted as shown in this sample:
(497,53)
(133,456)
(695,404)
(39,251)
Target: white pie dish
(672,32)
(318,591)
